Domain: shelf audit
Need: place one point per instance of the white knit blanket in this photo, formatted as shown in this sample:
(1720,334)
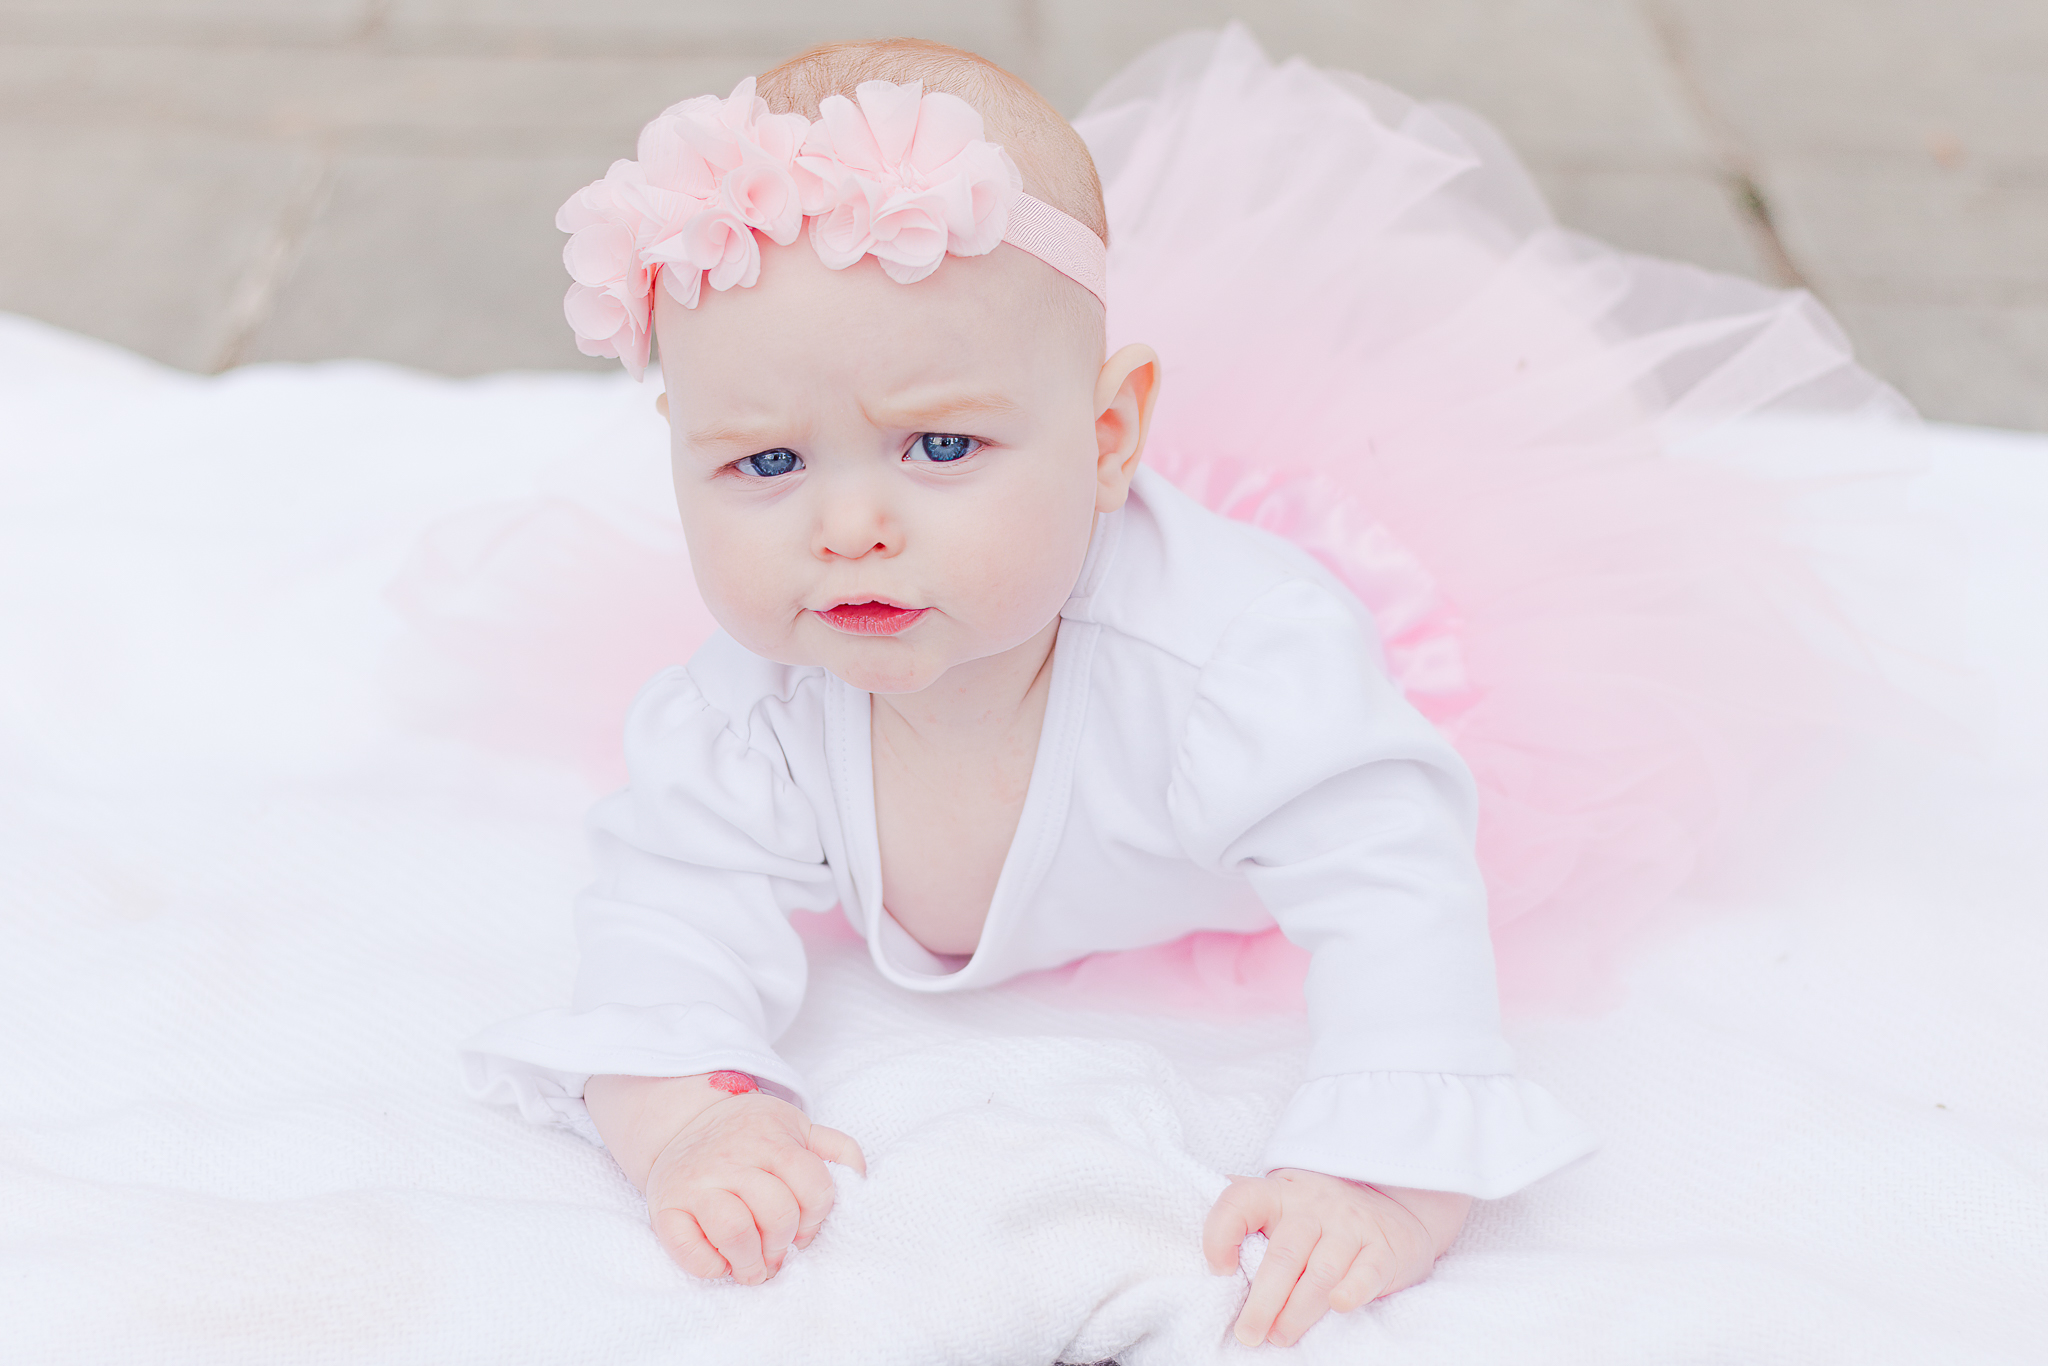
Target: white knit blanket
(249,916)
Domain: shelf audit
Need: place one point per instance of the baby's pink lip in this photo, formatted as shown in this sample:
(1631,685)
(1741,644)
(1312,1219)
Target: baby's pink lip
(871,618)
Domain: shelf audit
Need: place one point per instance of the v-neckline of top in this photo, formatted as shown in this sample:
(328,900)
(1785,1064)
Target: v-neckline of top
(896,953)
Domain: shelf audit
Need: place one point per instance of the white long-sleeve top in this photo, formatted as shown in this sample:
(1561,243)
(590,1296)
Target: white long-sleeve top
(1222,750)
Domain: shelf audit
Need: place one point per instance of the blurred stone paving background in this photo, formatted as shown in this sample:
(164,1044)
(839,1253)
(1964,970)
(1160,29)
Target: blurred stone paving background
(214,182)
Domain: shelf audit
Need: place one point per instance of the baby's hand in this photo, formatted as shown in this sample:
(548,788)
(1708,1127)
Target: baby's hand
(1331,1244)
(732,1181)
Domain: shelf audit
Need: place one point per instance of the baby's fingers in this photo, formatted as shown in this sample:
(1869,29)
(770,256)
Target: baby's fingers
(835,1146)
(807,1178)
(1287,1252)
(1248,1206)
(776,1215)
(1370,1277)
(684,1241)
(1314,1294)
(729,1225)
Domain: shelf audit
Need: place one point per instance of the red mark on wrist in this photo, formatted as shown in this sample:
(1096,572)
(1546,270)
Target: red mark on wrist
(732,1083)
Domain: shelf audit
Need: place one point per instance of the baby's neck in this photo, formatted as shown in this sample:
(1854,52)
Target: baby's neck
(952,766)
(980,697)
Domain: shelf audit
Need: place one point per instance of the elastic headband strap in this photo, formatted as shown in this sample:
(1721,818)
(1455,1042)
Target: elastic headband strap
(1065,243)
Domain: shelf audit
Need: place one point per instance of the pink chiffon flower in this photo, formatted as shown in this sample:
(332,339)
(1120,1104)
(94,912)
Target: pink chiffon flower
(607,306)
(716,246)
(761,193)
(909,235)
(841,212)
(710,174)
(728,162)
(606,326)
(905,176)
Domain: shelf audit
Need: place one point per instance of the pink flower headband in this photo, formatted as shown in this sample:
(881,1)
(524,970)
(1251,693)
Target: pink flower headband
(905,178)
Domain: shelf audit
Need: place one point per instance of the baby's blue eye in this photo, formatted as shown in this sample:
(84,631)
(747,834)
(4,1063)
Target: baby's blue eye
(941,449)
(768,464)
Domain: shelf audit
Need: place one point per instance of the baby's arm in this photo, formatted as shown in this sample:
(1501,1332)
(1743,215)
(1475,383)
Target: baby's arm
(1353,820)
(732,1181)
(1331,1244)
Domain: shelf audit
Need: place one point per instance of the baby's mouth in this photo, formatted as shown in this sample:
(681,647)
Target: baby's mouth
(871,618)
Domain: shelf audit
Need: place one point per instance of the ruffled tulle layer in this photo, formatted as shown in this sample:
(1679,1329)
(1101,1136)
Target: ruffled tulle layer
(1378,344)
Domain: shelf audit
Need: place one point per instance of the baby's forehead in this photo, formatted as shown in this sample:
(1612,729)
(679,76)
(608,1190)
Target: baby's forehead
(984,324)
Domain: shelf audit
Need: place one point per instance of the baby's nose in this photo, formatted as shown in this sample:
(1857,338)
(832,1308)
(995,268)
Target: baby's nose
(853,523)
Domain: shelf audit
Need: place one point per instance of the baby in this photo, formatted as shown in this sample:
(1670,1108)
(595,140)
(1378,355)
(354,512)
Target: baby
(989,686)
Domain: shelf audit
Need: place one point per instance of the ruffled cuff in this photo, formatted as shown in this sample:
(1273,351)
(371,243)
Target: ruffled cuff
(540,1063)
(1485,1136)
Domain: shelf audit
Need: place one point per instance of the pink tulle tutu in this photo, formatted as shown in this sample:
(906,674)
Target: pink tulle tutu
(1377,344)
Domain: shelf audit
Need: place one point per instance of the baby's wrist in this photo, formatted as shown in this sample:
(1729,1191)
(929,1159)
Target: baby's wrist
(638,1117)
(1440,1213)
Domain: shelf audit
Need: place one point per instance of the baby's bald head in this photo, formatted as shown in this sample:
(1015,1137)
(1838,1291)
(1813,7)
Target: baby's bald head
(1050,154)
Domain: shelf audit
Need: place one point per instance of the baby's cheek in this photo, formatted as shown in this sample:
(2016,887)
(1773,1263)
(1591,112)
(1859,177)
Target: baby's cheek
(744,593)
(1022,561)
(1033,592)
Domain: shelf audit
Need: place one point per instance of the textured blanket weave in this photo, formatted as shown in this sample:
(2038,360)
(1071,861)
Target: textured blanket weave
(251,909)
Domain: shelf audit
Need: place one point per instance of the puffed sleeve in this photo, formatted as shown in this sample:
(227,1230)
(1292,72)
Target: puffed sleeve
(689,961)
(1305,770)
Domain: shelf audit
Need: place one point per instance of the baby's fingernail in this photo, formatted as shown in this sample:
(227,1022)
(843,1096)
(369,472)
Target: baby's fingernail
(1247,1336)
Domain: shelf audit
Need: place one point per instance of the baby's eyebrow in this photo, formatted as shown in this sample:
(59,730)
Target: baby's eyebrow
(730,434)
(923,413)
(911,412)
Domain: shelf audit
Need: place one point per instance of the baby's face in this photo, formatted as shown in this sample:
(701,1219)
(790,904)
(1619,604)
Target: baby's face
(887,480)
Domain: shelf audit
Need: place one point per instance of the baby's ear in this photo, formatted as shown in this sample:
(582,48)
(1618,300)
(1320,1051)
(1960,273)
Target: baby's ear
(1124,393)
(661,404)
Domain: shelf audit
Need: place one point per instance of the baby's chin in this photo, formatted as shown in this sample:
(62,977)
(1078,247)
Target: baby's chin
(892,678)
(907,663)
(882,664)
